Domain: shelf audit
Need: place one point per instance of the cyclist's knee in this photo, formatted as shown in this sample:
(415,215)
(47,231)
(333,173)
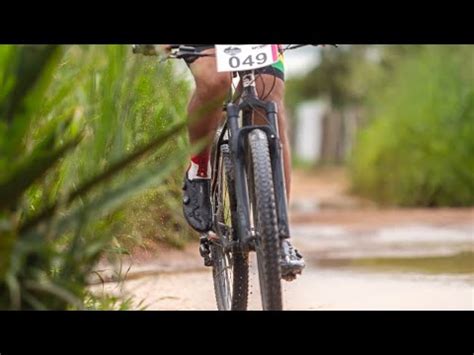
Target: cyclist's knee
(271,88)
(210,83)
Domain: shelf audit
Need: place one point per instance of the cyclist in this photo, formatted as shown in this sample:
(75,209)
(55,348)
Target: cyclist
(205,111)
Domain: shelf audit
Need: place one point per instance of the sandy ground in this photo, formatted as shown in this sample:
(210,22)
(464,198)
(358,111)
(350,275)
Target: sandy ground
(328,224)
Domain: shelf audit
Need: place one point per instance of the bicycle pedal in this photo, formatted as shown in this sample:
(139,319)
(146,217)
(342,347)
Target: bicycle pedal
(290,277)
(204,250)
(252,245)
(212,237)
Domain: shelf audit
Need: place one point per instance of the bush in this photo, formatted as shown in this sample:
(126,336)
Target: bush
(418,149)
(83,131)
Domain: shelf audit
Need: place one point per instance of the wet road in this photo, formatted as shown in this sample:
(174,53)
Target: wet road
(316,290)
(358,257)
(396,267)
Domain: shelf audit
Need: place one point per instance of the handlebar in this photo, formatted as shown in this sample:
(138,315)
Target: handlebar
(179,51)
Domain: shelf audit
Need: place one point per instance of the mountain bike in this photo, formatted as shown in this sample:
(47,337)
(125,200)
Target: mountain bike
(248,185)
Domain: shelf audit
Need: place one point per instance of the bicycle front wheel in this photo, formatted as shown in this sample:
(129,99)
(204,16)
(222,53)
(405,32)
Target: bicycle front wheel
(265,221)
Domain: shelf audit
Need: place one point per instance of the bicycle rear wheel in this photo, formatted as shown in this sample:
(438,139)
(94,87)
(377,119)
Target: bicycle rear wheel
(230,266)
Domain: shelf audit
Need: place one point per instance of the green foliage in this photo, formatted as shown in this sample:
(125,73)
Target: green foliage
(105,301)
(417,144)
(419,148)
(85,131)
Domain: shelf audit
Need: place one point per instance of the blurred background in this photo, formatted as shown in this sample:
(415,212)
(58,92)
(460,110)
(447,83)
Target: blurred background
(93,146)
(399,117)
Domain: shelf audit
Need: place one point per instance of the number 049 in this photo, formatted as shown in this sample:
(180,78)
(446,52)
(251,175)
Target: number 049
(260,58)
(235,57)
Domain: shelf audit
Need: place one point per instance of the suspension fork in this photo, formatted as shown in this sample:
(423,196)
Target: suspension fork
(238,161)
(279,181)
(237,139)
(249,101)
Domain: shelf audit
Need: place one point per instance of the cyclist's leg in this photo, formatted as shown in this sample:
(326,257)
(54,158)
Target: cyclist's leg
(271,86)
(205,106)
(204,111)
(265,83)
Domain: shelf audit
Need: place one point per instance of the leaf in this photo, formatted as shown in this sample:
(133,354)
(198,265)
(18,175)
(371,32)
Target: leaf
(55,290)
(112,171)
(30,170)
(33,66)
(113,198)
(128,160)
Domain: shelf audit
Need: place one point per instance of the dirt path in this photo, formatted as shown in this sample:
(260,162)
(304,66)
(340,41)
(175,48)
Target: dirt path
(358,257)
(316,290)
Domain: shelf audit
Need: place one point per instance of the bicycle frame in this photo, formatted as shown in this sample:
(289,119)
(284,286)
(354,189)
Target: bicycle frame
(238,134)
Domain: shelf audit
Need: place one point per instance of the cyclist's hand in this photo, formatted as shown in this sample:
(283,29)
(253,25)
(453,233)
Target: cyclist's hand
(164,49)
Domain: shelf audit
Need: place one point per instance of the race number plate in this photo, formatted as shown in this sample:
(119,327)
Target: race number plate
(238,57)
